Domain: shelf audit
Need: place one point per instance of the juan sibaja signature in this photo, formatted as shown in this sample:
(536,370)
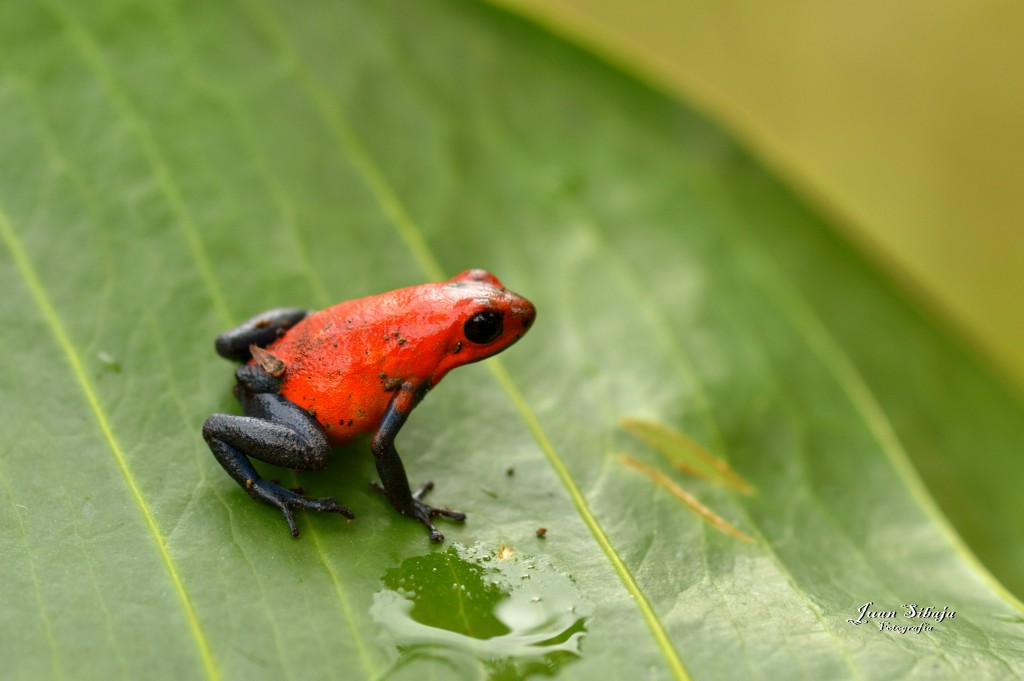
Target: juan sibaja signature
(911,611)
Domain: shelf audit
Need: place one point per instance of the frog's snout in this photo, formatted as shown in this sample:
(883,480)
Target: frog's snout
(523,314)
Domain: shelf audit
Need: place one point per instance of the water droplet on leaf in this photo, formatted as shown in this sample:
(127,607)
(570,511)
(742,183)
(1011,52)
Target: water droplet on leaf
(494,621)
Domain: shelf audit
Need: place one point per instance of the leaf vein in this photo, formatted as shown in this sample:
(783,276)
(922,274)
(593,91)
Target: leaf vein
(87,47)
(412,235)
(808,323)
(151,150)
(42,301)
(684,365)
(51,642)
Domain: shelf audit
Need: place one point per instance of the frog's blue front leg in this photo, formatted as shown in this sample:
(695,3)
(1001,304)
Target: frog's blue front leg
(389,464)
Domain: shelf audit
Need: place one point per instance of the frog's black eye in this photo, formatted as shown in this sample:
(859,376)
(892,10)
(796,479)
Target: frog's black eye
(483,327)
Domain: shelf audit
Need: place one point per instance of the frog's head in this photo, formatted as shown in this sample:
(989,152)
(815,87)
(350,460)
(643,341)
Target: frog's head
(487,317)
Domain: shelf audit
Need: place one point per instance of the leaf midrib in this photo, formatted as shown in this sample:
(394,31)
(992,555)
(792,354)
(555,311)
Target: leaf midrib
(412,235)
(807,323)
(683,363)
(286,209)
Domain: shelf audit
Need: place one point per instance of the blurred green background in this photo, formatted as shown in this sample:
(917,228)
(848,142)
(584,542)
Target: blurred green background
(904,121)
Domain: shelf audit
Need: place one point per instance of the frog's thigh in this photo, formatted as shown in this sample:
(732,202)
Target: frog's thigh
(261,330)
(273,430)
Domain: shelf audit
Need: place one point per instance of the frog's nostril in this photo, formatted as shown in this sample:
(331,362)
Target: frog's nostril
(523,312)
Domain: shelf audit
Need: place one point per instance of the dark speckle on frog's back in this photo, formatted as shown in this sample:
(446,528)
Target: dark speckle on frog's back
(343,362)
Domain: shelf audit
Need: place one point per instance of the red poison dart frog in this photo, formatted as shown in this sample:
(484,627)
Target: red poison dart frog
(310,380)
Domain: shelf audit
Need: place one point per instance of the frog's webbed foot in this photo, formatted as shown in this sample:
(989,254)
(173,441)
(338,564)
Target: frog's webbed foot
(286,500)
(422,511)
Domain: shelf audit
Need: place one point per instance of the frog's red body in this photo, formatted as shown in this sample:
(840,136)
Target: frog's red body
(344,364)
(314,379)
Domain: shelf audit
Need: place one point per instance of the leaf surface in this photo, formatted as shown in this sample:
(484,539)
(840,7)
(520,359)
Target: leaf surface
(173,168)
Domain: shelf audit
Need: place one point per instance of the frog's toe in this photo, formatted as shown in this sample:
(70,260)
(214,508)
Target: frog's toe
(422,491)
(433,511)
(328,505)
(457,516)
(286,500)
(422,511)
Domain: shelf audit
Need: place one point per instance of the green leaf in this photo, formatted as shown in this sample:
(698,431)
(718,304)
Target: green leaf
(172,168)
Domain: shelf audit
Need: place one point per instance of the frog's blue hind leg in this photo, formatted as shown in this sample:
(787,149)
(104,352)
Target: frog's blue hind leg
(261,330)
(277,431)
